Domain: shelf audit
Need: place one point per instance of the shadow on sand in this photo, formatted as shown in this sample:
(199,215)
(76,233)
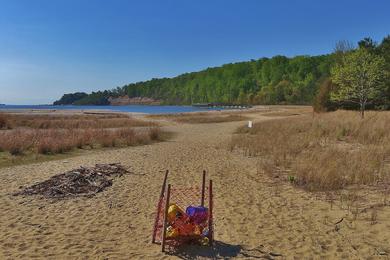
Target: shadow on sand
(220,250)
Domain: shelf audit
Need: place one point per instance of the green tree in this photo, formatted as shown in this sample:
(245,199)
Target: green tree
(367,43)
(276,80)
(341,49)
(384,50)
(359,78)
(242,98)
(69,99)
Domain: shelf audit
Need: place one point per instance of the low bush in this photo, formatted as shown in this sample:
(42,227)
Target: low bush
(16,142)
(3,121)
(155,134)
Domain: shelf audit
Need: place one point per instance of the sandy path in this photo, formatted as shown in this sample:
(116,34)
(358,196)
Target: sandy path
(254,215)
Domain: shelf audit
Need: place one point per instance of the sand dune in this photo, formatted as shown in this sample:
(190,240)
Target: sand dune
(255,216)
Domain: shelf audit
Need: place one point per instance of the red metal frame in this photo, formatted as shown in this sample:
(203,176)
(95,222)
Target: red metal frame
(183,197)
(203,187)
(165,218)
(159,205)
(211,205)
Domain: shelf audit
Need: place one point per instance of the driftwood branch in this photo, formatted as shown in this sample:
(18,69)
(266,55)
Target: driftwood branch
(84,181)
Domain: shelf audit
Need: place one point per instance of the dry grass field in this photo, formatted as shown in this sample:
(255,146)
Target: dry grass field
(203,117)
(3,121)
(321,152)
(29,134)
(70,121)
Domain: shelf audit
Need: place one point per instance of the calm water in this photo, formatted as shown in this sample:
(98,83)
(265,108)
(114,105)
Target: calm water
(130,108)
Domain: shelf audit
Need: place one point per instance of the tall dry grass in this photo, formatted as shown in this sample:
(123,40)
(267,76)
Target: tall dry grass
(3,121)
(325,152)
(53,134)
(202,117)
(47,121)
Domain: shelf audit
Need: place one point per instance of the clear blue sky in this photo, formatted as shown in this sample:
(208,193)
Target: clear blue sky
(51,47)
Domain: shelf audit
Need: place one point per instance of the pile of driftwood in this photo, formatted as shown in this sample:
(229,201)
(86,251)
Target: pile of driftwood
(78,182)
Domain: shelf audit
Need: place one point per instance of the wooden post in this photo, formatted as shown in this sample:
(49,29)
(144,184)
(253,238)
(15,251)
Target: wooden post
(203,188)
(159,207)
(165,218)
(211,231)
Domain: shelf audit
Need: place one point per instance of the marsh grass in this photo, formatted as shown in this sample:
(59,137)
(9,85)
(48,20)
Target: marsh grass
(325,152)
(281,114)
(202,117)
(55,141)
(47,121)
(26,134)
(3,121)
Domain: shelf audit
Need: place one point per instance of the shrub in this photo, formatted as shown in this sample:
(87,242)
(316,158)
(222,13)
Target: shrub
(16,150)
(3,121)
(143,138)
(15,141)
(322,102)
(128,136)
(155,134)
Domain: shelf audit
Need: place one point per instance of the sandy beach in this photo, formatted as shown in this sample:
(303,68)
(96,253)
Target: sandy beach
(256,217)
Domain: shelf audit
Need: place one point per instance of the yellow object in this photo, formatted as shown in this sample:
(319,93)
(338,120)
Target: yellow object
(172,232)
(174,211)
(204,241)
(197,230)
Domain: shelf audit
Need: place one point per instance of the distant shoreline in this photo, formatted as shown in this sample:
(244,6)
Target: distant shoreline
(138,109)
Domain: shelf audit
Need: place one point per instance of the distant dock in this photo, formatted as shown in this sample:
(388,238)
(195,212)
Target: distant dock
(221,105)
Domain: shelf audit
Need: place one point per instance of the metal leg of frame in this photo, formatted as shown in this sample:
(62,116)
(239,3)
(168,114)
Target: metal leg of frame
(165,218)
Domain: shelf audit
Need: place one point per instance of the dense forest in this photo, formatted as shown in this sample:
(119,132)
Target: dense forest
(276,80)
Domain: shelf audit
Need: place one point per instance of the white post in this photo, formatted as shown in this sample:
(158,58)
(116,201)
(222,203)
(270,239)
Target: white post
(250,124)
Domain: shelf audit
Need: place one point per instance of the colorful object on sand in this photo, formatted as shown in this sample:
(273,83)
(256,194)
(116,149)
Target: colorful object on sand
(184,226)
(197,230)
(189,223)
(172,232)
(204,241)
(198,215)
(180,219)
(174,212)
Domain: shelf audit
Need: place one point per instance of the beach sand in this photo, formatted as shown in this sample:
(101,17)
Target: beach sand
(255,216)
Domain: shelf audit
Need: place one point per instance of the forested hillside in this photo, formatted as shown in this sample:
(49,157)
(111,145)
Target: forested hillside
(270,81)
(277,80)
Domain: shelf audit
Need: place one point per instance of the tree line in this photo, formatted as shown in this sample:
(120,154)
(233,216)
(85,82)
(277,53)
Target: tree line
(276,80)
(359,78)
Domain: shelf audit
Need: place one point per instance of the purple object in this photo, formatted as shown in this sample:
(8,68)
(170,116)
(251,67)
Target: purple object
(197,214)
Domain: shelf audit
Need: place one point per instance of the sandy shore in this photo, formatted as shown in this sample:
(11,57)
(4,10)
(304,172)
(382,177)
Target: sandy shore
(255,216)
